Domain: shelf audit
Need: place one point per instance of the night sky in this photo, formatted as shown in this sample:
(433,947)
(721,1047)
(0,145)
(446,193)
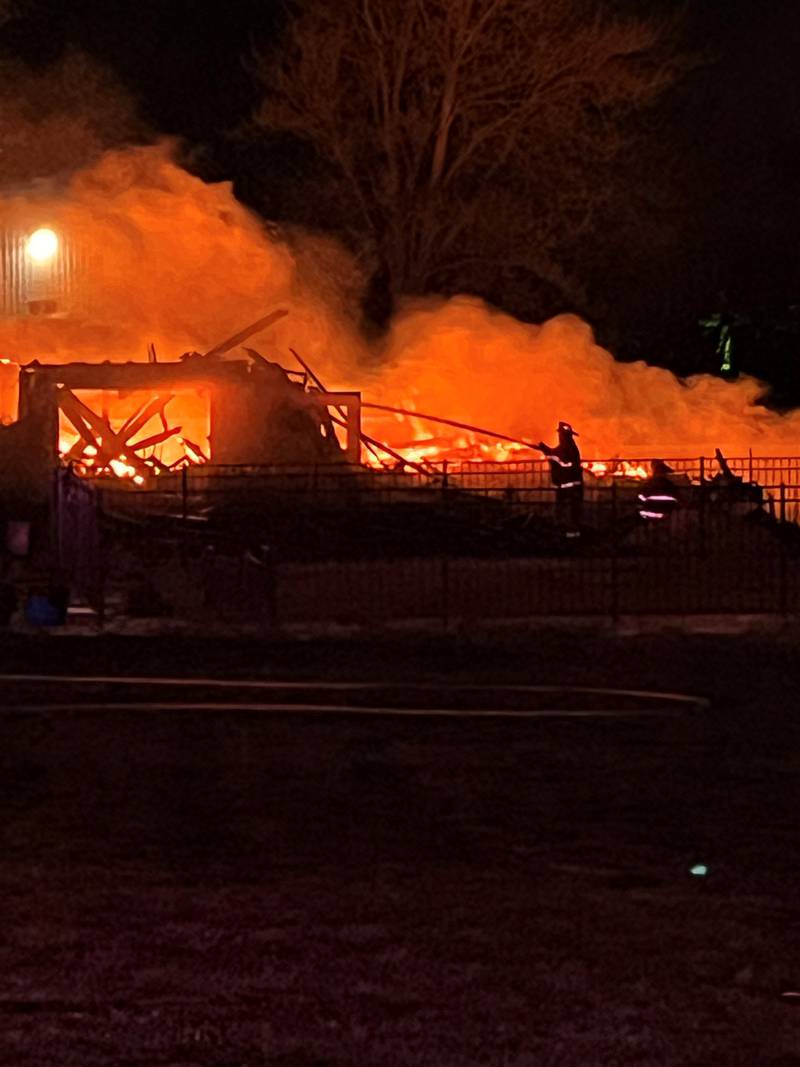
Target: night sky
(183,61)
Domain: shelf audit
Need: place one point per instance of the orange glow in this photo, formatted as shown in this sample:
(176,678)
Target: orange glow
(630,470)
(42,246)
(121,469)
(470,362)
(186,411)
(181,264)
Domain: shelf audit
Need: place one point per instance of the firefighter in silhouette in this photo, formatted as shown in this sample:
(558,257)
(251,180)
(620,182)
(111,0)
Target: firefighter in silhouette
(658,497)
(566,473)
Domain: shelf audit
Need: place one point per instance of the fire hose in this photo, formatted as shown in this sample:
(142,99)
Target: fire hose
(452,422)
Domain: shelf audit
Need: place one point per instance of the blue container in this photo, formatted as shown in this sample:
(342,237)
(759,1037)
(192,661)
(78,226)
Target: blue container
(41,611)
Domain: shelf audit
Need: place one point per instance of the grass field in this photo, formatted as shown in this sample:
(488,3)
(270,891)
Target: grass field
(236,890)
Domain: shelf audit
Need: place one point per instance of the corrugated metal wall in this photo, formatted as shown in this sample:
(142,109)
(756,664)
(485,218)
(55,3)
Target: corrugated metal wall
(28,287)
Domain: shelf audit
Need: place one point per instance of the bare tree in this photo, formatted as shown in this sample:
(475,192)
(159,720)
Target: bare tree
(466,131)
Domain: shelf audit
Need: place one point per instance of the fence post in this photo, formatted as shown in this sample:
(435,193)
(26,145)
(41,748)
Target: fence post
(782,557)
(56,504)
(614,556)
(702,540)
(702,469)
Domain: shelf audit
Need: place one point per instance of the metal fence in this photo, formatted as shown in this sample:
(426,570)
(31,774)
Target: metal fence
(526,482)
(700,560)
(475,475)
(717,553)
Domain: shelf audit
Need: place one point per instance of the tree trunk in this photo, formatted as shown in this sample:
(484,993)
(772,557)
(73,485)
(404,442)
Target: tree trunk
(379,297)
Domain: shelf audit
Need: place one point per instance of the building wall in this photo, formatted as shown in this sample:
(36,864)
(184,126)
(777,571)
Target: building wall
(58,286)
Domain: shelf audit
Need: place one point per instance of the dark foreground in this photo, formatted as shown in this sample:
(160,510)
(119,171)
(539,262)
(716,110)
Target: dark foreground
(225,889)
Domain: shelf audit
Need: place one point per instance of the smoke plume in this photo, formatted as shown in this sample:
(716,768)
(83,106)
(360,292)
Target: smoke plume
(461,358)
(180,263)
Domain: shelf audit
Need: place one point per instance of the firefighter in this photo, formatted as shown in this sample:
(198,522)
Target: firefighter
(658,497)
(566,473)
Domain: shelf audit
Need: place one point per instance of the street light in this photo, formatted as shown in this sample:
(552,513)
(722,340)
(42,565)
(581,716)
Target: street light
(42,245)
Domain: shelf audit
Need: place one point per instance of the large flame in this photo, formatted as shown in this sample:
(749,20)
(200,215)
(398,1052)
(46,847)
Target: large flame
(181,264)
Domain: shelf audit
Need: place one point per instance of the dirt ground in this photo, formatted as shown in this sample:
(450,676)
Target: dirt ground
(237,890)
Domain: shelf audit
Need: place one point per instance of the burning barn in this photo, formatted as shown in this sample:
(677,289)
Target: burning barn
(124,426)
(139,420)
(157,441)
(240,412)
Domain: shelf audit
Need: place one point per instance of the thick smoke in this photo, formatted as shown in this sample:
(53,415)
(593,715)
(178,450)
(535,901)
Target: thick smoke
(464,359)
(55,121)
(177,262)
(180,263)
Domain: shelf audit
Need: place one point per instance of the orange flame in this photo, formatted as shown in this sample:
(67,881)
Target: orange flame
(180,263)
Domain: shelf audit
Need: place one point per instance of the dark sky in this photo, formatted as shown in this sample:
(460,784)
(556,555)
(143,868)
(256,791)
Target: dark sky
(183,61)
(183,57)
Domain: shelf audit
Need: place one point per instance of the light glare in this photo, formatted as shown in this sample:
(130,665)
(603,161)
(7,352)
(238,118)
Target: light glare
(42,245)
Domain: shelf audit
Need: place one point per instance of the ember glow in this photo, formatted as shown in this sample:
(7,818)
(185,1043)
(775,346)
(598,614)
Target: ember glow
(177,264)
(617,469)
(150,428)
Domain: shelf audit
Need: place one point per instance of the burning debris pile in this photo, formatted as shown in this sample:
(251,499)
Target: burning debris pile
(164,263)
(256,413)
(108,280)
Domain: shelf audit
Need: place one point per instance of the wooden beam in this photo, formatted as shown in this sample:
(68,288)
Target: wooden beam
(481,430)
(108,443)
(243,335)
(138,421)
(391,452)
(154,439)
(86,435)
